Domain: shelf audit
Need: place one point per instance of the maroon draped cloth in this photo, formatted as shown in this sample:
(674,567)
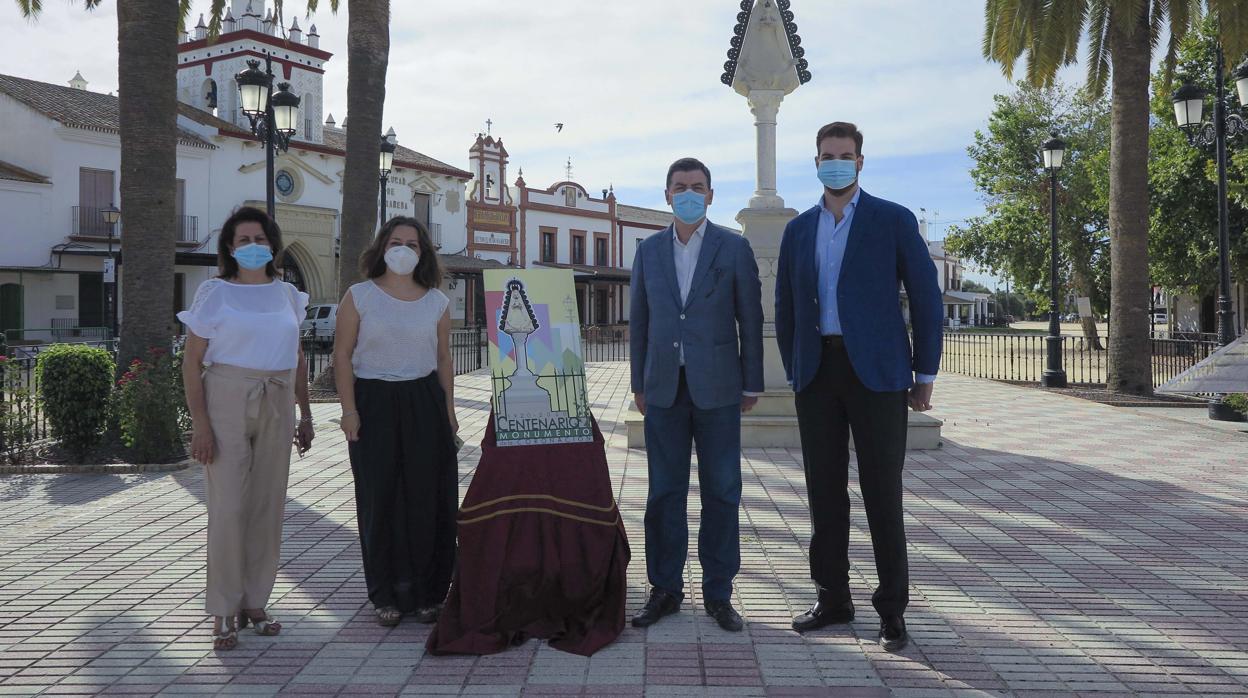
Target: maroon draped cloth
(542,552)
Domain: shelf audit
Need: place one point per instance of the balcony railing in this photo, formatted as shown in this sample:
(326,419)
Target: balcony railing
(88,222)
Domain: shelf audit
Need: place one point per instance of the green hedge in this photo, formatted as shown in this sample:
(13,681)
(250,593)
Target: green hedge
(75,381)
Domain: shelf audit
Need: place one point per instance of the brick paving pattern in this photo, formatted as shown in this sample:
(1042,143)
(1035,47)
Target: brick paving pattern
(1057,548)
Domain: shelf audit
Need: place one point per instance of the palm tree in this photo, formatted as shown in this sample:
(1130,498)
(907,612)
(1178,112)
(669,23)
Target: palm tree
(368,55)
(147,106)
(1122,35)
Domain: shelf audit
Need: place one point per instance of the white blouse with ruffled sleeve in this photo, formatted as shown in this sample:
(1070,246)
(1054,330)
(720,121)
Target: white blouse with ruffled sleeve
(253,326)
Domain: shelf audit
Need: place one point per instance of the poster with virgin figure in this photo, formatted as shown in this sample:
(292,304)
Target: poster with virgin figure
(535,359)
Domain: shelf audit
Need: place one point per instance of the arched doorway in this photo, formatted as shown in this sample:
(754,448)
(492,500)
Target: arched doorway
(292,274)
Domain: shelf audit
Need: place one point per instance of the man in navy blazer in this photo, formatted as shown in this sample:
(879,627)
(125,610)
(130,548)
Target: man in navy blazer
(696,329)
(848,358)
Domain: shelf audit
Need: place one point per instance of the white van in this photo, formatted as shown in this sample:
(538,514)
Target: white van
(318,325)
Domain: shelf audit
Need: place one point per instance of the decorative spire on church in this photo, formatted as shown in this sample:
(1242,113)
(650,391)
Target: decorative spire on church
(330,121)
(229,24)
(296,34)
(314,39)
(78,82)
(201,29)
(568,169)
(520,179)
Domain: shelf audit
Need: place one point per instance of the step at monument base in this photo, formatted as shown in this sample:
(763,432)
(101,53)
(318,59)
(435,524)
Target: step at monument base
(773,424)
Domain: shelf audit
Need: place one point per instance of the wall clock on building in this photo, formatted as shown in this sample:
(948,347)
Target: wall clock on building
(284,182)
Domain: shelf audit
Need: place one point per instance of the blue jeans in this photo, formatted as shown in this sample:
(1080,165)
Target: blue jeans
(671,433)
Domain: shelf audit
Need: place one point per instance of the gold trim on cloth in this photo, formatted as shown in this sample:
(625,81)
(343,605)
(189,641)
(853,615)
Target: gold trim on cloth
(541,510)
(511,498)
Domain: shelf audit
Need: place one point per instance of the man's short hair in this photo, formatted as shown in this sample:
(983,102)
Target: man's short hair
(687,165)
(840,129)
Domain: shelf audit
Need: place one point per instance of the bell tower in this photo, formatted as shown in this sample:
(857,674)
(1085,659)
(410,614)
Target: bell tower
(491,210)
(249,31)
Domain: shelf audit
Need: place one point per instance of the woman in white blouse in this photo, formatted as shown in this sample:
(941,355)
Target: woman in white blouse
(395,376)
(243,371)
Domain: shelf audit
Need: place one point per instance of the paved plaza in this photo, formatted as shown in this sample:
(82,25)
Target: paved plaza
(1057,547)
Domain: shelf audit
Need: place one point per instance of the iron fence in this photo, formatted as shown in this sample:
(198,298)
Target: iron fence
(604,343)
(1021,357)
(467,352)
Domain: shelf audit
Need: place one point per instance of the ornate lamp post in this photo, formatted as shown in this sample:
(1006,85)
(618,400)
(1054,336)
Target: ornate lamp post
(1189,106)
(111,216)
(388,144)
(1054,376)
(273,115)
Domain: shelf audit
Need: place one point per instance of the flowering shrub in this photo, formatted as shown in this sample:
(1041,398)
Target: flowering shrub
(151,408)
(17,414)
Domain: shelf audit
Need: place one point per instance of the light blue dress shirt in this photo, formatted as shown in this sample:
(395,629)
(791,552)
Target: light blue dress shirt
(830,241)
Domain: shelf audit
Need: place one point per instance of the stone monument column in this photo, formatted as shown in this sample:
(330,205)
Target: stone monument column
(765,65)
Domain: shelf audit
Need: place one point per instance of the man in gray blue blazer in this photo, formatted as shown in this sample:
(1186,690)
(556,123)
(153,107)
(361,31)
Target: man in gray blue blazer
(697,363)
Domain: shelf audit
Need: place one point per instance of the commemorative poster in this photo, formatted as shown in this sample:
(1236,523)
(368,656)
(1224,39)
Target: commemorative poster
(535,358)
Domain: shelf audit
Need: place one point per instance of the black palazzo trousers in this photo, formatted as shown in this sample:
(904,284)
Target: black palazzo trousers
(406,491)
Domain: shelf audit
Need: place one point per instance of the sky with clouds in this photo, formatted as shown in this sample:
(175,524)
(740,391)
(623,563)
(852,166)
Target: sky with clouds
(637,85)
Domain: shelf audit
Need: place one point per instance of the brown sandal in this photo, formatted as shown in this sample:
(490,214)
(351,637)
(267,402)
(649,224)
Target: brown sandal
(265,625)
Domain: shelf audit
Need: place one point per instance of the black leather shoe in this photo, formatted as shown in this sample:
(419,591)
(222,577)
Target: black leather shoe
(824,612)
(661,603)
(893,636)
(725,615)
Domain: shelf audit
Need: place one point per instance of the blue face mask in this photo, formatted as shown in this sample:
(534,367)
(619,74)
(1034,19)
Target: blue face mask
(253,256)
(838,174)
(689,206)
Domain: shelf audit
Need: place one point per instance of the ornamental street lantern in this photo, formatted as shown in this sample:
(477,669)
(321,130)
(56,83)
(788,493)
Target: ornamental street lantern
(1189,106)
(253,89)
(385,164)
(1054,152)
(1054,376)
(285,110)
(274,117)
(388,146)
(1241,82)
(111,215)
(1226,126)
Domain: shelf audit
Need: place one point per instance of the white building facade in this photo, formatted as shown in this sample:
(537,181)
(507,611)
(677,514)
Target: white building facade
(64,170)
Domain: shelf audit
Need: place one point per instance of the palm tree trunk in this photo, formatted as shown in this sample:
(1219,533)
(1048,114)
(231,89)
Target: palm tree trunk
(1130,360)
(368,53)
(147,46)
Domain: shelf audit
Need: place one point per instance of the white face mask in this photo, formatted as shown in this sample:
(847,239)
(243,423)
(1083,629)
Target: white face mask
(402,259)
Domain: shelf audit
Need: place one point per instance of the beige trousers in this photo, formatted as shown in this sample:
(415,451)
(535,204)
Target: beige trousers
(253,423)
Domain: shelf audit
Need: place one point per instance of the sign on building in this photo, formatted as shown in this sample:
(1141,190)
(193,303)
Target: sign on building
(535,358)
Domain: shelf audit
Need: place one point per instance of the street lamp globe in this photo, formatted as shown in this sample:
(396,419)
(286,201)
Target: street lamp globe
(253,89)
(1241,83)
(1054,151)
(1189,105)
(285,110)
(386,162)
(111,215)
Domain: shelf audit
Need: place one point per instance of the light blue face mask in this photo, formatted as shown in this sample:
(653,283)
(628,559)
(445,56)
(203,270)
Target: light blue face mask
(689,206)
(253,256)
(838,174)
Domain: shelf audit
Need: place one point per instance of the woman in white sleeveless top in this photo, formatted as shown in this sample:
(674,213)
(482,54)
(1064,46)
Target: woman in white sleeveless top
(395,376)
(243,372)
